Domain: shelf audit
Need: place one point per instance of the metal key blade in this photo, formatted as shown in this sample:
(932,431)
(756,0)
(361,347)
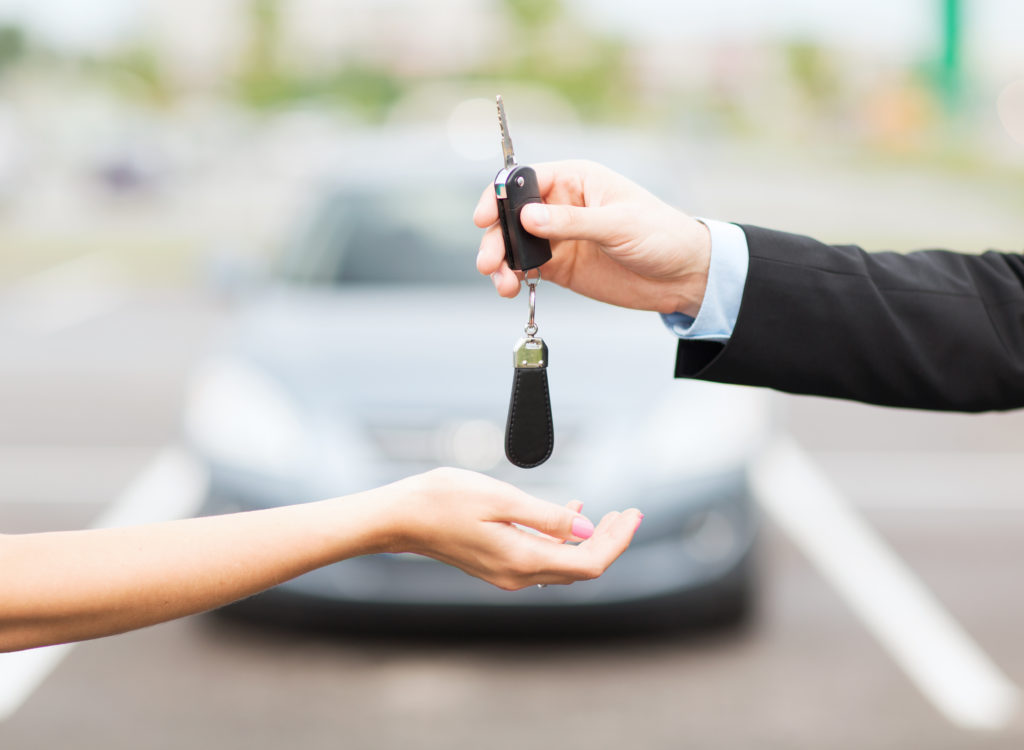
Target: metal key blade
(506,143)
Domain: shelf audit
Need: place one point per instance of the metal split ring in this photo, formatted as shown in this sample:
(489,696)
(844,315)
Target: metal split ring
(531,326)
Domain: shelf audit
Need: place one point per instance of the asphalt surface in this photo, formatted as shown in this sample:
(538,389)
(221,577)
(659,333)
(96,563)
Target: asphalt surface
(85,407)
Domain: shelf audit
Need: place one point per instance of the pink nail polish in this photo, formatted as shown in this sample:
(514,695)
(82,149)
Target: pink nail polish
(582,528)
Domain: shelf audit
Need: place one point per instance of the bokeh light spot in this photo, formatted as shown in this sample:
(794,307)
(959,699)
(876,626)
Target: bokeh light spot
(1011,109)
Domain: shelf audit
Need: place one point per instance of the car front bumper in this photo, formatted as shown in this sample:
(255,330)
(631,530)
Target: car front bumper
(666,578)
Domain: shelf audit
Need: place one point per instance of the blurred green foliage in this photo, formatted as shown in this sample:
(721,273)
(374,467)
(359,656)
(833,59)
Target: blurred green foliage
(765,89)
(265,83)
(13,46)
(546,46)
(592,74)
(362,90)
(533,13)
(260,82)
(135,73)
(813,71)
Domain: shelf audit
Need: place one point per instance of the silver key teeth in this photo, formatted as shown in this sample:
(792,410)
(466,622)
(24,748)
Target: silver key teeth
(506,142)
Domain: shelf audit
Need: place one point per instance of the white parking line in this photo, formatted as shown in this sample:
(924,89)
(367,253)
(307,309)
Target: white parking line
(62,296)
(925,641)
(171,486)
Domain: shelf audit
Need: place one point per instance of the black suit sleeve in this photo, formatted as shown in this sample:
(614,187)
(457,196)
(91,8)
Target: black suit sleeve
(929,330)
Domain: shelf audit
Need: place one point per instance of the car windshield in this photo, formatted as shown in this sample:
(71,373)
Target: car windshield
(387,237)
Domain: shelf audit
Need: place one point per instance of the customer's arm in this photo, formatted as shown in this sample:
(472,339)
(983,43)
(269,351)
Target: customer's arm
(66,586)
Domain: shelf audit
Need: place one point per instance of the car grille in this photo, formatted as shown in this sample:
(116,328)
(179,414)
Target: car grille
(476,444)
(472,444)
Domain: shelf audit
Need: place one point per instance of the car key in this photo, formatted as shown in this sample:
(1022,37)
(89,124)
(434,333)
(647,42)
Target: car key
(514,187)
(529,431)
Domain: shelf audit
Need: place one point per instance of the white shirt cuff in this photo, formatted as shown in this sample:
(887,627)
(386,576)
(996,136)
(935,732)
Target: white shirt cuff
(727,275)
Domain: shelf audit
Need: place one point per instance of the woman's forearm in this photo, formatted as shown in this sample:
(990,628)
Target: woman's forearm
(74,585)
(64,586)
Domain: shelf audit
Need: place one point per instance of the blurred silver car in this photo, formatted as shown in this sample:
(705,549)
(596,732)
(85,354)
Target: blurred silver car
(377,351)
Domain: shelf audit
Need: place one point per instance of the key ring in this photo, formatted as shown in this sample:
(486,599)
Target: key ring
(531,327)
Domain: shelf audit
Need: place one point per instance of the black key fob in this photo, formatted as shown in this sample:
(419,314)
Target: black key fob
(515,187)
(529,431)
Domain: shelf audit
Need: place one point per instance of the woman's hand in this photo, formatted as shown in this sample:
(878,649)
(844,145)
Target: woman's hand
(467,520)
(71,585)
(610,240)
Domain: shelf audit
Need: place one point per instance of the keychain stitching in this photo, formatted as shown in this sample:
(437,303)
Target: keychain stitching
(512,422)
(548,421)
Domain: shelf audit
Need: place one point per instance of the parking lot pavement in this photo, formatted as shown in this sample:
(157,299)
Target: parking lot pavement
(806,673)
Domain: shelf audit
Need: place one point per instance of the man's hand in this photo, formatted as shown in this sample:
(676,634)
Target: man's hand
(610,240)
(470,520)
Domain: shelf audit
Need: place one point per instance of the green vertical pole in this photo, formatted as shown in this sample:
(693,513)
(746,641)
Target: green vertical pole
(951,62)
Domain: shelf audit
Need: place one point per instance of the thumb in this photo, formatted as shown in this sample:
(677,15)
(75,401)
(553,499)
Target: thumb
(601,224)
(548,518)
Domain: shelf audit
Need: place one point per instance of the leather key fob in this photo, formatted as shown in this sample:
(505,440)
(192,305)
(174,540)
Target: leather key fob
(529,431)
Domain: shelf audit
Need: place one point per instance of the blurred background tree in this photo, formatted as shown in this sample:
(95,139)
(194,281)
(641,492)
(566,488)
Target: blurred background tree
(362,58)
(13,46)
(178,86)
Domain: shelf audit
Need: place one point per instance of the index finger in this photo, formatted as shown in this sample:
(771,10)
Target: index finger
(591,558)
(486,211)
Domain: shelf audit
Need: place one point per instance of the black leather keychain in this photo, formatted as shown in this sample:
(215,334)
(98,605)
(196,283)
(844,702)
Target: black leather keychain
(529,431)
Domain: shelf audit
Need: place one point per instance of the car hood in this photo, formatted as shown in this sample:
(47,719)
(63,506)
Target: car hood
(411,350)
(389,365)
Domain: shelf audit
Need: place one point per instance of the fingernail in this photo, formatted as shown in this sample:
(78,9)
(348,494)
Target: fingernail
(639,521)
(582,528)
(495,278)
(537,214)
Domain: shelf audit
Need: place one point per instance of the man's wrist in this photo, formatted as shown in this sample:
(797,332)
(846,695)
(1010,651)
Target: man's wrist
(715,318)
(695,283)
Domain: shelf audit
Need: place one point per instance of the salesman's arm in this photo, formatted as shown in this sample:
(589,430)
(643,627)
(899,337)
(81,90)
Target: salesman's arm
(931,329)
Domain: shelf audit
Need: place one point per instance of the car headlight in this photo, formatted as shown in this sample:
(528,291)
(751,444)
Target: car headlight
(241,417)
(704,428)
(693,432)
